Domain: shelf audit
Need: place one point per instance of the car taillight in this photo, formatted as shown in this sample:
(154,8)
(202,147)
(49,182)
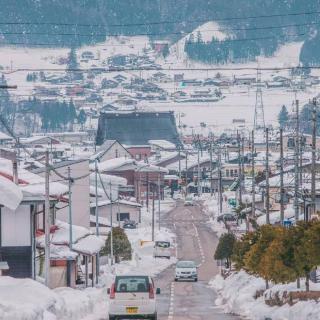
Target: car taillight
(112,291)
(151,291)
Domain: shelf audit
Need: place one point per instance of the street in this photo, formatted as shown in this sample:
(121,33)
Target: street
(195,241)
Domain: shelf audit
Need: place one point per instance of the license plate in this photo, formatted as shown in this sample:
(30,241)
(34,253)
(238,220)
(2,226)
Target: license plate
(132,310)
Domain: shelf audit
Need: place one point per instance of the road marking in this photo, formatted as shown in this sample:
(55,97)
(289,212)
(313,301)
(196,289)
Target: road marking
(203,258)
(171,306)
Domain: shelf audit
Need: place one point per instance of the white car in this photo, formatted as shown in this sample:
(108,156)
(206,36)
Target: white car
(133,296)
(186,270)
(162,249)
(188,201)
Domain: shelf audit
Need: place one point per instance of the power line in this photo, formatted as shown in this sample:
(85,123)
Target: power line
(221,41)
(111,70)
(163,33)
(292,14)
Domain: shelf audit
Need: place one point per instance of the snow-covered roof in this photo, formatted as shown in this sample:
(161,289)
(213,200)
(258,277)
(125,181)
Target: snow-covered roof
(164,144)
(4,136)
(89,245)
(107,202)
(113,164)
(10,194)
(29,183)
(82,241)
(107,179)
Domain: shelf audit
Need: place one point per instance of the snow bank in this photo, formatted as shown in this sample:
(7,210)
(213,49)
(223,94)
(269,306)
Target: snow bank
(236,295)
(211,208)
(26,299)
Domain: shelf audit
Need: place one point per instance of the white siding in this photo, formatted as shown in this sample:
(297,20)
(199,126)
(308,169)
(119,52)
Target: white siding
(15,226)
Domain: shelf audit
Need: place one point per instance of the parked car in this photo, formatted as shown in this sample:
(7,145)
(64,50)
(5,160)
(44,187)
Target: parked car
(133,296)
(188,201)
(186,270)
(129,225)
(226,217)
(162,249)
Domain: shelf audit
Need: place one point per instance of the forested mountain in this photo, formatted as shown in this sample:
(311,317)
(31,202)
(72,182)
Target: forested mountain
(75,22)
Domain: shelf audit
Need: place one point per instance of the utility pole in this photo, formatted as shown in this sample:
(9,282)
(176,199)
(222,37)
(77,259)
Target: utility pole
(267,202)
(220,181)
(296,165)
(47,222)
(159,196)
(281,179)
(186,173)
(211,167)
(147,199)
(153,187)
(70,207)
(253,186)
(97,220)
(111,224)
(199,172)
(313,169)
(239,168)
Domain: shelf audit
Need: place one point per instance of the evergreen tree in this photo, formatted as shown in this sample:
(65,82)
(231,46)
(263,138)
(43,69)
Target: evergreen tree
(283,117)
(82,118)
(121,245)
(225,247)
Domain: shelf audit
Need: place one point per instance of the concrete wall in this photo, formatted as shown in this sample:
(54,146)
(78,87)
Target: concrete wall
(80,194)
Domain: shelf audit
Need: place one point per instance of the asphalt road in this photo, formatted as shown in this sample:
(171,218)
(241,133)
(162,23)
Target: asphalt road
(195,241)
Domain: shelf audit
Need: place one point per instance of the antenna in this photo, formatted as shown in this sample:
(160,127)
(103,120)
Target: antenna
(259,111)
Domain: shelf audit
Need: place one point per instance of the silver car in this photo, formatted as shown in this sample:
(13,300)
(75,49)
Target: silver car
(133,297)
(186,270)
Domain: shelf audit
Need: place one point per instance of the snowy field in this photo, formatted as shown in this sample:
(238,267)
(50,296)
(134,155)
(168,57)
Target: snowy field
(239,101)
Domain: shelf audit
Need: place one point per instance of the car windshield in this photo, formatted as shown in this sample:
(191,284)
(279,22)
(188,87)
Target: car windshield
(186,264)
(132,284)
(162,244)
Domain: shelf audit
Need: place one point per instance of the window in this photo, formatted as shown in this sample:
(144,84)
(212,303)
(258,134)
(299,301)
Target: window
(117,153)
(132,284)
(231,173)
(122,216)
(227,172)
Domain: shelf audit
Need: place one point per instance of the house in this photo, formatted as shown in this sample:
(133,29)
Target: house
(244,80)
(140,176)
(134,128)
(69,137)
(87,55)
(122,210)
(111,149)
(120,78)
(139,152)
(21,214)
(4,138)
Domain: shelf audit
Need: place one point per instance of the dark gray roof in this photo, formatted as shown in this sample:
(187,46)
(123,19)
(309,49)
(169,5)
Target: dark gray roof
(137,128)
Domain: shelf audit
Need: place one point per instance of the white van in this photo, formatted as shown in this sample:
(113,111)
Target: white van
(162,249)
(133,297)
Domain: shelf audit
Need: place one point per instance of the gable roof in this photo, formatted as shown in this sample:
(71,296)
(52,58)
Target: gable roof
(137,128)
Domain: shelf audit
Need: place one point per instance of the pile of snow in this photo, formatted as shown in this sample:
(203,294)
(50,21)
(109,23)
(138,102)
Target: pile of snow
(211,208)
(236,295)
(26,299)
